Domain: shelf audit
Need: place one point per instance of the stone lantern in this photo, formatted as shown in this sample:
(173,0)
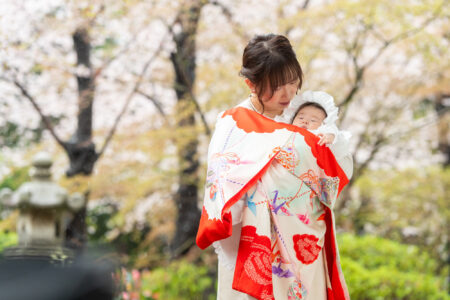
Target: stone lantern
(45,210)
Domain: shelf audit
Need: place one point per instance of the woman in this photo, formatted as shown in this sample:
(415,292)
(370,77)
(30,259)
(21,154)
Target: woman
(270,189)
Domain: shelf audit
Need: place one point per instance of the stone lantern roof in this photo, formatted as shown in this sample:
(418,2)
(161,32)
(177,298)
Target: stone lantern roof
(41,192)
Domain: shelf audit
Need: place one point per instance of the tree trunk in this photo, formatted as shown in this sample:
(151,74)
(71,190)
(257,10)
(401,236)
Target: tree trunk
(443,129)
(80,148)
(186,198)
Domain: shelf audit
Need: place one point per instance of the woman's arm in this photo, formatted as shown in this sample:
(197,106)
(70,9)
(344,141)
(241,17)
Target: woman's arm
(340,147)
(341,151)
(236,211)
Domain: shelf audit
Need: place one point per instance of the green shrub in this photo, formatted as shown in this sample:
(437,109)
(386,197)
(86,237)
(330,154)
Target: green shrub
(377,268)
(180,280)
(15,179)
(408,206)
(7,239)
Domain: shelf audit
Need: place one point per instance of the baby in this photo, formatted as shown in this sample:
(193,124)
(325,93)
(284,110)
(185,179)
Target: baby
(317,112)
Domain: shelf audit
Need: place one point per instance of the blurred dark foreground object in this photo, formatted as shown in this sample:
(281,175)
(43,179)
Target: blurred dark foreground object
(36,279)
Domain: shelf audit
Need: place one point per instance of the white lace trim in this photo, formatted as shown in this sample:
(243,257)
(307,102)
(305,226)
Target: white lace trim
(223,258)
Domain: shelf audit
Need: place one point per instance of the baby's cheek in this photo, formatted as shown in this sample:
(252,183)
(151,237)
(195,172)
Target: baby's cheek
(298,122)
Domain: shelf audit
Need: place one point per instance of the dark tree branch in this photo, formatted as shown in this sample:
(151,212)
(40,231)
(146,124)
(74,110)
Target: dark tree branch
(194,100)
(91,21)
(155,102)
(200,112)
(44,118)
(360,70)
(352,51)
(357,83)
(440,114)
(399,37)
(380,141)
(100,69)
(196,104)
(240,31)
(130,96)
(305,4)
(282,16)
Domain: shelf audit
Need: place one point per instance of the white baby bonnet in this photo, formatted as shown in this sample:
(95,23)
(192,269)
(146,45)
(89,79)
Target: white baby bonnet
(323,99)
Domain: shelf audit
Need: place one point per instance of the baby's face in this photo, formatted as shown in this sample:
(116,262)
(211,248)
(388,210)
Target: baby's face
(309,117)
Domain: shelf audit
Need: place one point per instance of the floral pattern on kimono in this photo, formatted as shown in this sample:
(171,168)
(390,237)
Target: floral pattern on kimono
(290,185)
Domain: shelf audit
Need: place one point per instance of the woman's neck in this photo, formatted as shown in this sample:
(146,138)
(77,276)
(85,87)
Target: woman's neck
(257,106)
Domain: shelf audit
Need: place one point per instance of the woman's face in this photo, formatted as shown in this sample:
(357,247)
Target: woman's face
(281,97)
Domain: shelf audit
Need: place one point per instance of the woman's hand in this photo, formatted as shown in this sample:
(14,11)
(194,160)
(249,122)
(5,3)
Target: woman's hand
(325,138)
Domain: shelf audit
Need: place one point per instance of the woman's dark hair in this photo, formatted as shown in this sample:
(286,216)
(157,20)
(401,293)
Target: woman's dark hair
(314,104)
(269,62)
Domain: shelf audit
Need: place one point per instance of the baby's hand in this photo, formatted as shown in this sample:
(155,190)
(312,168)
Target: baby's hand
(326,138)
